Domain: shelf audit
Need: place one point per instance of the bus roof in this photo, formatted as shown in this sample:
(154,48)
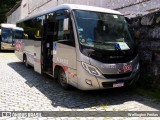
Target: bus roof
(19,28)
(74,7)
(5,25)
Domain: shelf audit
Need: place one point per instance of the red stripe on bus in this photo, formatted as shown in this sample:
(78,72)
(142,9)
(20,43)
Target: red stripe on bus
(38,61)
(65,68)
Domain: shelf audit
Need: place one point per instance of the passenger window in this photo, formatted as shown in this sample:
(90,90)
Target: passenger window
(60,30)
(49,16)
(38,23)
(32,28)
(65,36)
(18,34)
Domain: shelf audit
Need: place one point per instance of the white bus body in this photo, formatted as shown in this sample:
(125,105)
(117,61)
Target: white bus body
(83,46)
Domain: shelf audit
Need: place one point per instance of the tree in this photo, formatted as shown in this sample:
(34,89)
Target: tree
(5,7)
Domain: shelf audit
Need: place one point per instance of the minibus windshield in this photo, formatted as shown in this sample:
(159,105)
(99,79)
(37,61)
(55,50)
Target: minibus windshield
(102,30)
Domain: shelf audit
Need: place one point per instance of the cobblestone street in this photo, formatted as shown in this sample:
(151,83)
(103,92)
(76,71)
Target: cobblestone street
(22,89)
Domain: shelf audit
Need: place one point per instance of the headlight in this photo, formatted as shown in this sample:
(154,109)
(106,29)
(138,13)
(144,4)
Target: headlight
(91,69)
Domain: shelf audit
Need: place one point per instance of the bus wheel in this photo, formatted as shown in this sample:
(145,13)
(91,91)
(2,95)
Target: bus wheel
(26,61)
(62,79)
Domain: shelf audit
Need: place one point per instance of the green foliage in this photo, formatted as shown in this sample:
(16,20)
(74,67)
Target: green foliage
(6,6)
(149,82)
(149,93)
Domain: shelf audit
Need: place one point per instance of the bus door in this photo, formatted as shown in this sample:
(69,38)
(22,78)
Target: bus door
(64,48)
(47,45)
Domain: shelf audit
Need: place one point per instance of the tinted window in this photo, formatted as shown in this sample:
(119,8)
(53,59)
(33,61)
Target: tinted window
(18,34)
(103,31)
(64,36)
(32,28)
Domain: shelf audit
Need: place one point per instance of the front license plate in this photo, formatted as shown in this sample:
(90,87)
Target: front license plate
(118,84)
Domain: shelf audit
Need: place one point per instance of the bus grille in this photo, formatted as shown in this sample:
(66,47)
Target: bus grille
(110,76)
(114,56)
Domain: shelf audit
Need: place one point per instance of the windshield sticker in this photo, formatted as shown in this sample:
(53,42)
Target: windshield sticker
(123,46)
(83,41)
(54,48)
(80,29)
(89,42)
(80,37)
(115,16)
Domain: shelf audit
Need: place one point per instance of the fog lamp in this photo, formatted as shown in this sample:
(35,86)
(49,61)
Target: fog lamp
(89,82)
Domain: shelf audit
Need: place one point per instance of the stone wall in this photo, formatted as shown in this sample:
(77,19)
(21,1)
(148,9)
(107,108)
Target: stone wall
(147,32)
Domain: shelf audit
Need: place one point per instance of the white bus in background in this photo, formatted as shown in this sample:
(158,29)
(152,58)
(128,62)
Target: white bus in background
(7,42)
(83,46)
(9,32)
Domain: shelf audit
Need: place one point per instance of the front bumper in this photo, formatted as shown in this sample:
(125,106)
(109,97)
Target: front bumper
(101,82)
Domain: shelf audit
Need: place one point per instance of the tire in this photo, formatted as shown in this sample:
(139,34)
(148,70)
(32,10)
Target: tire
(62,79)
(26,61)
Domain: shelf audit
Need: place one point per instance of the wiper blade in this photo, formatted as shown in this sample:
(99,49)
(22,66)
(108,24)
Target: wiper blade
(102,42)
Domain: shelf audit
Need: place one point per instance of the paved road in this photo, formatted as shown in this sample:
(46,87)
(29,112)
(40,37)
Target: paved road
(22,89)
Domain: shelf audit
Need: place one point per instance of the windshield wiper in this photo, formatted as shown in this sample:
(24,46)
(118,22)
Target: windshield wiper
(101,42)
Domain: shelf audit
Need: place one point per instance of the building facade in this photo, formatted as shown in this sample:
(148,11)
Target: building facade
(130,8)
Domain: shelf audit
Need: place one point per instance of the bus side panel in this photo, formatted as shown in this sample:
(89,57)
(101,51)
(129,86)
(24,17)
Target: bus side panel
(65,56)
(29,51)
(37,56)
(25,47)
(19,46)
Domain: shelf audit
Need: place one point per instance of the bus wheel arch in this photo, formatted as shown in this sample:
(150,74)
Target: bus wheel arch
(60,74)
(56,70)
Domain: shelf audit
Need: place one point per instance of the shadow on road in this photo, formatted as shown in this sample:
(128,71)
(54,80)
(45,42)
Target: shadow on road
(6,51)
(75,98)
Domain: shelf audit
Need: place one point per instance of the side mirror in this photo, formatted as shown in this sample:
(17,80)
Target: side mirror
(66,12)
